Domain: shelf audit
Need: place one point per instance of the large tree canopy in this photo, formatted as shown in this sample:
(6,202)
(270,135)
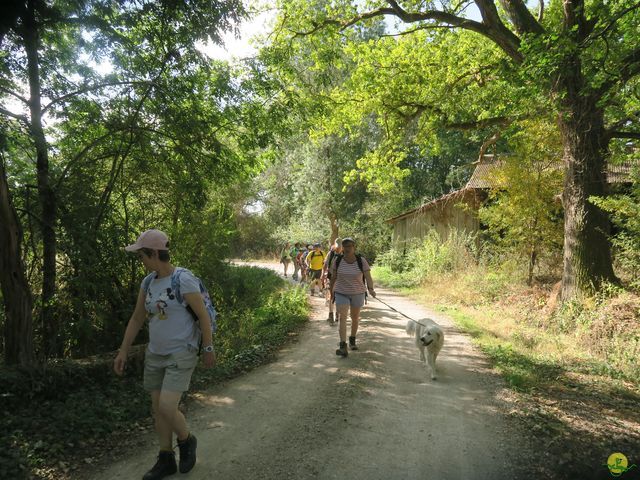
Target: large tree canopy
(578,60)
(118,122)
(112,120)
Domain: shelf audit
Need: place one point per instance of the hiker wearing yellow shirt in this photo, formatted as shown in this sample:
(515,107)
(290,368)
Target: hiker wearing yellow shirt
(315,260)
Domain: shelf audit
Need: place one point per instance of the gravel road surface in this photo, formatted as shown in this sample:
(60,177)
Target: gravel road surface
(373,415)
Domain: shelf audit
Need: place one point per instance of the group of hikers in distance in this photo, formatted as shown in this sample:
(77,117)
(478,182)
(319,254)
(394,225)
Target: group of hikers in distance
(341,275)
(182,323)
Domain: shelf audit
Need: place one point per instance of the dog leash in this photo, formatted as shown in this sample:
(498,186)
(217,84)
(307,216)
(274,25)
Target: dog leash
(398,311)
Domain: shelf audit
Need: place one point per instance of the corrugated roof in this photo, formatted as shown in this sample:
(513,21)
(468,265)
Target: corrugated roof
(484,175)
(621,173)
(443,200)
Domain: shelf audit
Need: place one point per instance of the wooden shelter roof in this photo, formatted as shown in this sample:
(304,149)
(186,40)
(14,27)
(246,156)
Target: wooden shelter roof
(468,193)
(484,177)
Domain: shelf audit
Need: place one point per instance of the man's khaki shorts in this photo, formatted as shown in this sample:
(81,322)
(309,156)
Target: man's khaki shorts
(169,372)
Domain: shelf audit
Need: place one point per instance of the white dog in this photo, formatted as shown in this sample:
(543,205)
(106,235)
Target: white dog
(429,335)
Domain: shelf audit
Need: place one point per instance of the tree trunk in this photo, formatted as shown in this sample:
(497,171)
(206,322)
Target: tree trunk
(18,325)
(50,327)
(587,251)
(334,227)
(533,256)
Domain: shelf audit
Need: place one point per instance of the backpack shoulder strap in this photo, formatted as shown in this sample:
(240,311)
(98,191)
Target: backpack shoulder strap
(146,282)
(175,283)
(339,258)
(364,279)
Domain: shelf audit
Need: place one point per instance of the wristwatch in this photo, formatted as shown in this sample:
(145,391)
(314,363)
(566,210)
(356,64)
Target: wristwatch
(208,349)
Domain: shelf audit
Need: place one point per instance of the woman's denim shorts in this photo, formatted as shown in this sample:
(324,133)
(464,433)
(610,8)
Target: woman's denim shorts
(354,301)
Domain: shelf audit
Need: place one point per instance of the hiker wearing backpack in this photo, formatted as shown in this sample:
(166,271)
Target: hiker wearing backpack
(293,255)
(301,259)
(175,337)
(336,249)
(284,257)
(315,260)
(350,280)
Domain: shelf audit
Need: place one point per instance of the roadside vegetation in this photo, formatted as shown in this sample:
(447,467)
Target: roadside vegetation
(572,369)
(67,415)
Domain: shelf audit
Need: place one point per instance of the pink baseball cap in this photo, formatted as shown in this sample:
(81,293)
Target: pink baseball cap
(154,239)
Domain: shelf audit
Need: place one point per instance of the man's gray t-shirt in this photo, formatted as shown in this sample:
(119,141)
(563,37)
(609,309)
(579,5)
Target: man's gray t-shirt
(171,327)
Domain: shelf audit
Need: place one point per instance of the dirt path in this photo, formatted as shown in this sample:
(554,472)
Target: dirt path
(373,415)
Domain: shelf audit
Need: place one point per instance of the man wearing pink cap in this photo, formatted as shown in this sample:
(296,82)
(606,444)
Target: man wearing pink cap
(172,352)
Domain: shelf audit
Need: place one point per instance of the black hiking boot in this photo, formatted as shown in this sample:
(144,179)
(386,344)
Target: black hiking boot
(330,319)
(187,453)
(166,465)
(342,351)
(352,343)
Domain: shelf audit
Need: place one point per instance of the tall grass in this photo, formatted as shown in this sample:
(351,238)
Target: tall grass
(426,259)
(486,294)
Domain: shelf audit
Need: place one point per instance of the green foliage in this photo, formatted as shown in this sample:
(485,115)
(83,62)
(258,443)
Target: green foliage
(426,259)
(306,193)
(524,215)
(346,161)
(439,71)
(596,340)
(608,327)
(380,170)
(257,313)
(52,412)
(395,260)
(624,209)
(144,131)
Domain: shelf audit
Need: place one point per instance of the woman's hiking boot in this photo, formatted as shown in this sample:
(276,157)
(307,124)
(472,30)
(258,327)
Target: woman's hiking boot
(165,466)
(342,351)
(330,319)
(352,343)
(187,453)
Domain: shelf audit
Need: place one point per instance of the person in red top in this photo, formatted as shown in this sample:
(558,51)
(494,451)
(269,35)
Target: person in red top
(348,275)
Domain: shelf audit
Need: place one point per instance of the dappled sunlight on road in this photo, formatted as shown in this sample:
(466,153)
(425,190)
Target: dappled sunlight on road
(214,401)
(377,407)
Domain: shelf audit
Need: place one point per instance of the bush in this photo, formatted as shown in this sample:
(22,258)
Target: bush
(427,258)
(624,210)
(608,327)
(395,260)
(49,412)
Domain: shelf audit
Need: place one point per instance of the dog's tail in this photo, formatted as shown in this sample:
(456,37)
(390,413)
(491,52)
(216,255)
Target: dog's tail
(411,328)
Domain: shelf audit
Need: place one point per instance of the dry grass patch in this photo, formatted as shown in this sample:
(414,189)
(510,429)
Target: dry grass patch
(574,373)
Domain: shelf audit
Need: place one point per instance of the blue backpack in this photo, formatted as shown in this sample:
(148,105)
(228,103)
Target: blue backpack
(175,286)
